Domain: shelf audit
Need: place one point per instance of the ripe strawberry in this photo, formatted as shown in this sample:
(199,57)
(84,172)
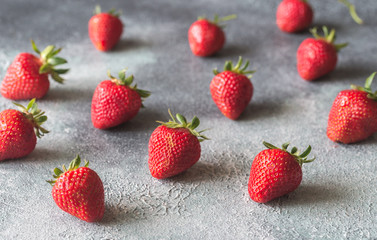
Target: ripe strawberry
(206,37)
(115,101)
(174,147)
(317,57)
(79,191)
(105,29)
(231,90)
(27,76)
(276,172)
(294,15)
(20,129)
(353,115)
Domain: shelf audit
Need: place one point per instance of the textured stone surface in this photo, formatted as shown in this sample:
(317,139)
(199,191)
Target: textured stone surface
(337,198)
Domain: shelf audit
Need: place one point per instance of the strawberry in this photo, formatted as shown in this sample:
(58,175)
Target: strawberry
(79,191)
(276,172)
(317,57)
(115,101)
(353,115)
(174,147)
(105,29)
(206,37)
(20,129)
(231,89)
(294,15)
(27,76)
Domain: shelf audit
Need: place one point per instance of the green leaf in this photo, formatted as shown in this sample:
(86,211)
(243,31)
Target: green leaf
(306,152)
(55,52)
(122,75)
(368,82)
(58,172)
(30,104)
(61,71)
(56,77)
(56,61)
(195,122)
(97,10)
(41,119)
(34,46)
(269,145)
(47,51)
(75,163)
(294,150)
(128,81)
(181,119)
(285,145)
(45,68)
(143,93)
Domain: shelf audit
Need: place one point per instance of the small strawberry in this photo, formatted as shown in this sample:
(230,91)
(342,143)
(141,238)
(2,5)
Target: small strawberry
(317,57)
(105,29)
(115,101)
(231,89)
(353,115)
(174,147)
(276,172)
(294,15)
(27,76)
(79,191)
(19,130)
(206,37)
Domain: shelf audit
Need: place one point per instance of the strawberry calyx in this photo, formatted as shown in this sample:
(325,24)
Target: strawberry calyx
(50,61)
(35,116)
(352,10)
(300,158)
(367,87)
(238,68)
(182,123)
(127,81)
(328,37)
(217,20)
(113,12)
(75,164)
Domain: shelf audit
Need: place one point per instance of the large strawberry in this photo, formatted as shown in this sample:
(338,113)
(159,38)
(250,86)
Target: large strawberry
(276,172)
(294,15)
(105,29)
(79,191)
(231,89)
(19,130)
(353,115)
(207,37)
(318,56)
(115,101)
(174,147)
(27,76)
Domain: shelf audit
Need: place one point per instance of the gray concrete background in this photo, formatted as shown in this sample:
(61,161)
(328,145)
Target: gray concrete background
(337,197)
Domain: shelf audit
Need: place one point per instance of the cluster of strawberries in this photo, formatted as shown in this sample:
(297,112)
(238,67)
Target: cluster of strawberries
(174,146)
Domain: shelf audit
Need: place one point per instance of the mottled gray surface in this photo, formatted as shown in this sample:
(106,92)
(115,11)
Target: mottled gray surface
(337,197)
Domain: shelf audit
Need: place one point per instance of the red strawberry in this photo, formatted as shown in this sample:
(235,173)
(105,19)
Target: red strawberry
(115,101)
(231,90)
(174,147)
(353,115)
(276,172)
(19,130)
(317,57)
(105,29)
(206,37)
(79,191)
(294,15)
(27,76)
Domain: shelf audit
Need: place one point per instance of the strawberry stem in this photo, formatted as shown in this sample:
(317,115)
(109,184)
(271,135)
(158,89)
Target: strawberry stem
(35,116)
(73,165)
(300,158)
(216,20)
(367,87)
(352,10)
(328,37)
(238,68)
(182,123)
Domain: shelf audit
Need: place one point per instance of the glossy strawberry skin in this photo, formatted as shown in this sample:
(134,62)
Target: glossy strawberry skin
(113,104)
(315,58)
(205,38)
(273,173)
(352,118)
(231,92)
(17,135)
(293,15)
(22,79)
(105,31)
(172,151)
(80,193)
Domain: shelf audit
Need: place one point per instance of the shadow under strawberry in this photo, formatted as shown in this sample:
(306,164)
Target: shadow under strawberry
(309,194)
(130,44)
(346,74)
